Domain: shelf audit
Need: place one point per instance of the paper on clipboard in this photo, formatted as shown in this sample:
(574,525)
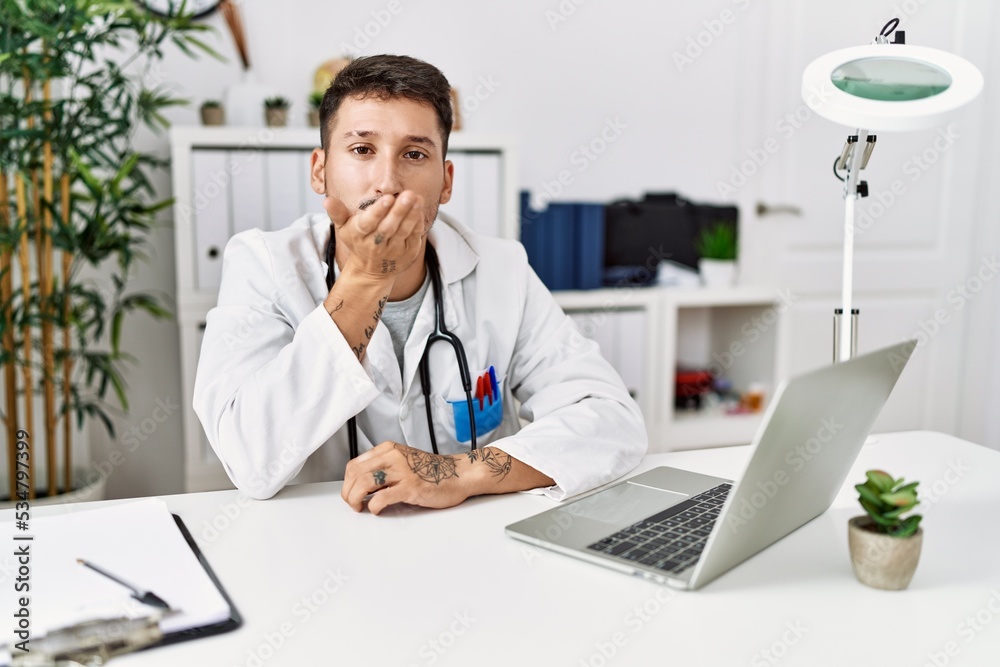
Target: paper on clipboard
(138,542)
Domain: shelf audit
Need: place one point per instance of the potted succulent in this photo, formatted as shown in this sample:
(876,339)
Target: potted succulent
(212,113)
(76,212)
(885,546)
(315,100)
(716,246)
(276,111)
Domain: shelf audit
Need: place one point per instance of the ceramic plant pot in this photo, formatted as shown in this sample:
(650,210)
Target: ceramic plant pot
(276,117)
(717,272)
(880,560)
(213,116)
(94,488)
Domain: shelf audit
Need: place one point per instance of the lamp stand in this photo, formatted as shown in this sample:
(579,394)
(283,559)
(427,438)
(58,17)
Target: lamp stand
(845,319)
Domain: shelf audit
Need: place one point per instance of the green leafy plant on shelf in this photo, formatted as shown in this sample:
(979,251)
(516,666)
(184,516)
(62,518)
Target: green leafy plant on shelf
(886,500)
(77,81)
(276,103)
(316,99)
(717,241)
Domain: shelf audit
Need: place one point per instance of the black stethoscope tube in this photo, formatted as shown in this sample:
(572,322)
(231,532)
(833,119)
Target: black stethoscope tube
(440,333)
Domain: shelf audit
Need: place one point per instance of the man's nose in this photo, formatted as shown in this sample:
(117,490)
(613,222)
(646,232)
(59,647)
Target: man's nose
(387,178)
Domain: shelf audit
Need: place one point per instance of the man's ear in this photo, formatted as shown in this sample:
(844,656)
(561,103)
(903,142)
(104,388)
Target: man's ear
(317,175)
(449,179)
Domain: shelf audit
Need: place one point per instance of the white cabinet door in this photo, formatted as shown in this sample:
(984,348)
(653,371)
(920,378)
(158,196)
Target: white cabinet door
(211,215)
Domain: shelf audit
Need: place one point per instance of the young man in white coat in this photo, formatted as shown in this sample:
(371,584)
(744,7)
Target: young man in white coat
(286,362)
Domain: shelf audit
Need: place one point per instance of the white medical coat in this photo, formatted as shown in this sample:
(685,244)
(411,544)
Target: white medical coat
(277,381)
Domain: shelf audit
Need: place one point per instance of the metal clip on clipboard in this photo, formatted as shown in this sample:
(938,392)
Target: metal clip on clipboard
(91,643)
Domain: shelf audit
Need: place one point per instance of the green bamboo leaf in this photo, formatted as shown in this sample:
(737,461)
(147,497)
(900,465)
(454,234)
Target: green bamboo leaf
(119,387)
(116,331)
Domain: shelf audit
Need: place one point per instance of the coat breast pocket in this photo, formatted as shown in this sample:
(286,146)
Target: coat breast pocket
(453,416)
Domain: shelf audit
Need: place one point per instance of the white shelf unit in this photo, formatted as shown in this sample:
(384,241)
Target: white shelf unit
(229,179)
(690,327)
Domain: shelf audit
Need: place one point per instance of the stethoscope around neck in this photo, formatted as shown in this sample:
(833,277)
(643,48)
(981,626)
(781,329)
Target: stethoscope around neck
(439,333)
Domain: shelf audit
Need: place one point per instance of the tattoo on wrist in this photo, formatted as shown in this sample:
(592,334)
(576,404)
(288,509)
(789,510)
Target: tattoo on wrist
(498,462)
(429,467)
(388,266)
(379,238)
(337,307)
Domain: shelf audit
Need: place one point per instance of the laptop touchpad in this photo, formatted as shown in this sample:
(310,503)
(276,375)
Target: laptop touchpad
(624,504)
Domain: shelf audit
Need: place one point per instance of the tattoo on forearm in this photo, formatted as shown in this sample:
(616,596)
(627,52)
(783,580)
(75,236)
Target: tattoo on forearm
(370,330)
(498,462)
(429,467)
(388,266)
(359,350)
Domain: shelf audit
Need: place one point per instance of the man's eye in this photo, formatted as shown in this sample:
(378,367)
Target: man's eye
(415,155)
(361,150)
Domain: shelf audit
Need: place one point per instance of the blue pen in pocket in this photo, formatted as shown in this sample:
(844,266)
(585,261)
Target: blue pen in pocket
(488,417)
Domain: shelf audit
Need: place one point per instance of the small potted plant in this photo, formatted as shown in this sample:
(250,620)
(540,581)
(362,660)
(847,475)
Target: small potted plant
(276,111)
(716,247)
(885,546)
(212,113)
(315,100)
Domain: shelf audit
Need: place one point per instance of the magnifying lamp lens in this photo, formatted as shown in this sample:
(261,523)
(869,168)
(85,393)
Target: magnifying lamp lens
(891,79)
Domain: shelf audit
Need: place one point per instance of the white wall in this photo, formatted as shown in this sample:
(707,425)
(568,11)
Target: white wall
(554,85)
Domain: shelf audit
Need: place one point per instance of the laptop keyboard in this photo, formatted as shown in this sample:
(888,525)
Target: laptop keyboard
(671,540)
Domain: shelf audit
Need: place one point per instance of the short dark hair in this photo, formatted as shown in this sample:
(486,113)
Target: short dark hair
(386,77)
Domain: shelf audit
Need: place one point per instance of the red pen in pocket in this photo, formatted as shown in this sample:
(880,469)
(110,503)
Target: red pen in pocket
(479,391)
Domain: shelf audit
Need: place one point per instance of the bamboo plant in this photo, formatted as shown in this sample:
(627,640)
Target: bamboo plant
(78,78)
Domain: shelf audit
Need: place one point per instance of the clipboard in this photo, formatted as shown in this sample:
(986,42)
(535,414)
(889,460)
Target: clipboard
(81,613)
(234,621)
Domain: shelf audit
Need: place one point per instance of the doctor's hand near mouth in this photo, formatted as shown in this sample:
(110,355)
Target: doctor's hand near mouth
(374,246)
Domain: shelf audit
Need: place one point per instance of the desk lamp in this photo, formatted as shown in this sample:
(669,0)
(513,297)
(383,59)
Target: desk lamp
(884,86)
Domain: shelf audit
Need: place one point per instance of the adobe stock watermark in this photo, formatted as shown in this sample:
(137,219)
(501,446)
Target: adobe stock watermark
(960,295)
(879,202)
(796,458)
(623,294)
(484,90)
(931,493)
(367,33)
(217,183)
(303,610)
(242,331)
(752,331)
(436,647)
(605,650)
(131,440)
(562,12)
(703,40)
(582,158)
(786,127)
(968,630)
(779,648)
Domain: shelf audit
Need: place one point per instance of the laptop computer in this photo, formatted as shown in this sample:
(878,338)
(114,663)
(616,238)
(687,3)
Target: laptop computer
(684,529)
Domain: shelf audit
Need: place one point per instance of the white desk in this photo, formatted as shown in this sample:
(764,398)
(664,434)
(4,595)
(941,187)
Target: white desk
(318,584)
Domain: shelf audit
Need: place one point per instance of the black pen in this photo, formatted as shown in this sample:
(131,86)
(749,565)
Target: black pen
(146,597)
